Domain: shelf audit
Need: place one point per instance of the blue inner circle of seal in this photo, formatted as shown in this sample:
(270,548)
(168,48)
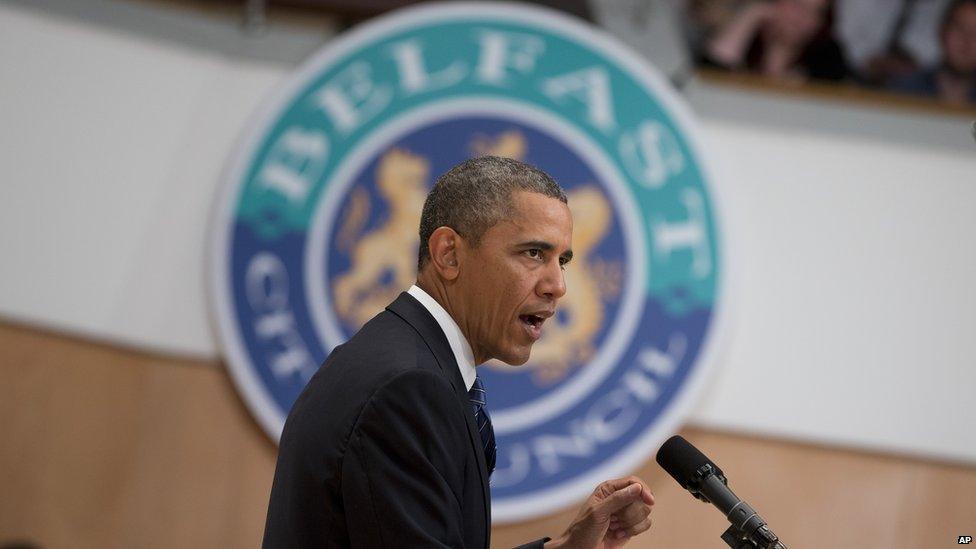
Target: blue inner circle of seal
(374,206)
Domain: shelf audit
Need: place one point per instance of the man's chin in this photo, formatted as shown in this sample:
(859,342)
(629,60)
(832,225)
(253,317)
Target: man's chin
(515,359)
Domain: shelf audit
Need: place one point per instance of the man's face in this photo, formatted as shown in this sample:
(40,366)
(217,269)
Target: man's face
(509,284)
(959,40)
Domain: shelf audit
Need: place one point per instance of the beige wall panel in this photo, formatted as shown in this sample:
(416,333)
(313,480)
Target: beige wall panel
(103,447)
(109,448)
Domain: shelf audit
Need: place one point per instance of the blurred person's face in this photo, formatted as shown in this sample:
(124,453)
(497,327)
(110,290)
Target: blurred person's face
(959,40)
(797,21)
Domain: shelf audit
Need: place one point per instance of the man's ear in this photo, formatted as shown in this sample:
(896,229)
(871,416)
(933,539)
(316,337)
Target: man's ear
(443,248)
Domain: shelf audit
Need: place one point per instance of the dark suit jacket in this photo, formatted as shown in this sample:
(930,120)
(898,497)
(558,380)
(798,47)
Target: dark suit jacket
(381,448)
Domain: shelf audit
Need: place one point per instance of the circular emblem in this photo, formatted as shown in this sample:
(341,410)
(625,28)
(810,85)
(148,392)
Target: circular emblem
(316,230)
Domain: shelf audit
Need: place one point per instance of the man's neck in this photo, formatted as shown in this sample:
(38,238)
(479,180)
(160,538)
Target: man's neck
(455,337)
(436,289)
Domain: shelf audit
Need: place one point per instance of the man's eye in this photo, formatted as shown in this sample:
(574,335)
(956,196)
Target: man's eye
(534,253)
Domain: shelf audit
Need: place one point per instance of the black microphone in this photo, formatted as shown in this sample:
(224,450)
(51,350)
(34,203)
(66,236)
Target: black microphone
(697,474)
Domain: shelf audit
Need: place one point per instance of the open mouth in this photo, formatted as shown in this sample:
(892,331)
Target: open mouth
(532,320)
(533,323)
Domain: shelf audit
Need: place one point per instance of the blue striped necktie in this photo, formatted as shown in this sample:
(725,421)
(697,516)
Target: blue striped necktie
(477,398)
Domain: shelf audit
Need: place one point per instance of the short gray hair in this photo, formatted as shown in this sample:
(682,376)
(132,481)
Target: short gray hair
(476,194)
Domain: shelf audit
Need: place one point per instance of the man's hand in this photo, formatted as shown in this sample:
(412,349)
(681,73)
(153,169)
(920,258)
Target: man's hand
(617,510)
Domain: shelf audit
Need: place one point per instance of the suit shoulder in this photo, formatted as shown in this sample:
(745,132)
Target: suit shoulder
(418,386)
(384,346)
(416,406)
(382,350)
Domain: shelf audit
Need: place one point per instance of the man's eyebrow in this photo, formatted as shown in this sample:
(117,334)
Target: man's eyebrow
(541,244)
(546,247)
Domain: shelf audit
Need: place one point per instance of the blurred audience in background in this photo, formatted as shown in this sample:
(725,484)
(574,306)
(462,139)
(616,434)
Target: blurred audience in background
(922,47)
(953,78)
(705,17)
(788,40)
(885,39)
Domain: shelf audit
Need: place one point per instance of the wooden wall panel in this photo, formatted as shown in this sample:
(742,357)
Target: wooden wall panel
(107,448)
(103,447)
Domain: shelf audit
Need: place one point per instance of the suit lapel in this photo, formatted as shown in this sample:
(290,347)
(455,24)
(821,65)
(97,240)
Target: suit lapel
(416,315)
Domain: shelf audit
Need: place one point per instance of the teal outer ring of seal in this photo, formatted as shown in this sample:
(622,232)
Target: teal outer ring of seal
(650,140)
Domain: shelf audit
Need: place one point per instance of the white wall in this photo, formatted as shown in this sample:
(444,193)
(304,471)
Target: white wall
(110,147)
(854,307)
(851,312)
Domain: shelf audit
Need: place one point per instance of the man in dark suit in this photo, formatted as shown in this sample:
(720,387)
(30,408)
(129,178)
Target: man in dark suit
(390,444)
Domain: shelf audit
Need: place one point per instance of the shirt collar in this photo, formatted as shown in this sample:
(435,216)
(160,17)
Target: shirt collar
(459,345)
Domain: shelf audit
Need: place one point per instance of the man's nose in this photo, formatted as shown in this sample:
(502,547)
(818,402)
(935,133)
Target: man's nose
(553,282)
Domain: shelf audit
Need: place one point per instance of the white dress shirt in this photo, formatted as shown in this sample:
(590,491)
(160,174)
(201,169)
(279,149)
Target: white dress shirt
(459,345)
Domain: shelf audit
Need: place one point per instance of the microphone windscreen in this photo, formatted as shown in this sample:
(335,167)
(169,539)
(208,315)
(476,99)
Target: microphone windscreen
(681,460)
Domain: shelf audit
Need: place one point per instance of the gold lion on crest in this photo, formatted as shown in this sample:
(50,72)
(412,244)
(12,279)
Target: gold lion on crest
(388,252)
(383,261)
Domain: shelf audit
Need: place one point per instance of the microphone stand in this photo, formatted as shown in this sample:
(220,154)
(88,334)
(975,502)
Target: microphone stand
(748,529)
(737,539)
